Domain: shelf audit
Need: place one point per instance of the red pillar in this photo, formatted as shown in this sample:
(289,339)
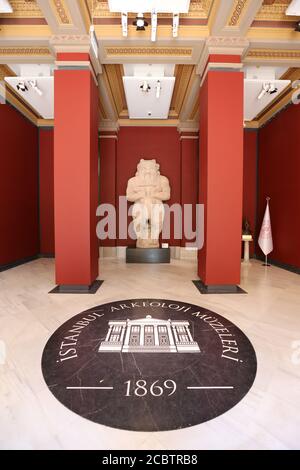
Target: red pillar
(189,148)
(75,174)
(221,177)
(108,172)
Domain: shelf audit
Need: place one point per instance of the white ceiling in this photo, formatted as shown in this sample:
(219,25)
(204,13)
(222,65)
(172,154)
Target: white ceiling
(44,104)
(146,105)
(143,105)
(252,88)
(147,6)
(5,7)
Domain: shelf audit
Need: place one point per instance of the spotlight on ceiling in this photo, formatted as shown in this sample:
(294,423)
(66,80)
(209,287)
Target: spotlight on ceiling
(21,86)
(298,27)
(272,89)
(140,22)
(34,86)
(267,88)
(145,87)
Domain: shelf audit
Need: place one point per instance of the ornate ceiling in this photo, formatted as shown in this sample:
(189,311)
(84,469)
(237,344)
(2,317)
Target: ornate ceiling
(258,29)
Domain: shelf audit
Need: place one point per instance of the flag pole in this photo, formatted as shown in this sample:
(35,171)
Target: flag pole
(266,256)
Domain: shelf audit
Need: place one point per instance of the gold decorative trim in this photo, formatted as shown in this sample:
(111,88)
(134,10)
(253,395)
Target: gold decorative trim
(61,12)
(24,51)
(24,9)
(271,54)
(146,51)
(237,12)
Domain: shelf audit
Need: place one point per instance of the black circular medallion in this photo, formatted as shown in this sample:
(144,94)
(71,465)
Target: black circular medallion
(149,364)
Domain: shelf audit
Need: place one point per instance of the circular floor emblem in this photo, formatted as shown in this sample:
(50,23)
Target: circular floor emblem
(149,365)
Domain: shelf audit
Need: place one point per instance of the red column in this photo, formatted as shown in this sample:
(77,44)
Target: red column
(221,177)
(189,147)
(75,174)
(108,173)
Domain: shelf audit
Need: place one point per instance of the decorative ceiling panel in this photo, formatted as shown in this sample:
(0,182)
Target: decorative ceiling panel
(184,75)
(24,9)
(272,14)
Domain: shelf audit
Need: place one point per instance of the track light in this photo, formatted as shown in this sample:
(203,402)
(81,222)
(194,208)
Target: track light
(153,26)
(34,86)
(175,24)
(140,22)
(298,27)
(21,86)
(158,89)
(125,24)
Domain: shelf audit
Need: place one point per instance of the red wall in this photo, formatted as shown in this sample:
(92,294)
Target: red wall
(19,187)
(108,175)
(46,142)
(161,143)
(279,178)
(189,178)
(108,155)
(249,190)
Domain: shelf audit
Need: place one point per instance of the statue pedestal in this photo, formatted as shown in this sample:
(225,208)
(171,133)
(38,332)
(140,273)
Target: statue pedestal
(148,255)
(246,239)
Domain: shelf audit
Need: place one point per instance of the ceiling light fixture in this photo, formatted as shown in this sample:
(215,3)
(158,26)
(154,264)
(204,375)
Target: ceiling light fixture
(125,24)
(21,86)
(158,89)
(267,88)
(153,25)
(145,87)
(34,86)
(272,89)
(140,22)
(175,24)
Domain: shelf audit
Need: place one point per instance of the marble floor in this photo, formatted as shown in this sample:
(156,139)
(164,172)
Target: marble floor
(267,418)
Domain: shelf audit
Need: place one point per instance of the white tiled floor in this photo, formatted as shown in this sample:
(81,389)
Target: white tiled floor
(267,418)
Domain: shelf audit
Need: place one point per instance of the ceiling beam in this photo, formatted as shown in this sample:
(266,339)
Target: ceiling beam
(63,16)
(234,17)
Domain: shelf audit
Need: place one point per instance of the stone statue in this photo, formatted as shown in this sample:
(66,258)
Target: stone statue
(246,227)
(147,189)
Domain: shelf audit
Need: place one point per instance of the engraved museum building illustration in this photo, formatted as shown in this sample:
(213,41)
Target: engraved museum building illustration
(150,335)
